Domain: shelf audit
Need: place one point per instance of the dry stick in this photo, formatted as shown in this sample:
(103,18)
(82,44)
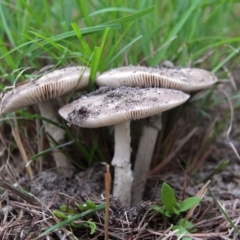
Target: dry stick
(143,228)
(202,158)
(18,140)
(201,193)
(184,186)
(24,196)
(107,178)
(198,159)
(17,137)
(204,58)
(181,143)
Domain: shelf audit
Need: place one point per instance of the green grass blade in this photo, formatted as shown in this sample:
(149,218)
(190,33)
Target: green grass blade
(113,9)
(86,48)
(227,59)
(36,16)
(38,155)
(84,10)
(5,25)
(57,38)
(224,213)
(124,49)
(96,59)
(134,16)
(194,5)
(114,47)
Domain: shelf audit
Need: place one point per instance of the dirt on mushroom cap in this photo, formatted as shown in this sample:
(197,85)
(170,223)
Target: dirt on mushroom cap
(108,106)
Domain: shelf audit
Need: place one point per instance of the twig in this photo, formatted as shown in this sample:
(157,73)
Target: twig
(21,148)
(201,193)
(181,143)
(28,198)
(107,178)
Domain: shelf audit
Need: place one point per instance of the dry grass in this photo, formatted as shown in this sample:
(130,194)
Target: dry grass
(25,217)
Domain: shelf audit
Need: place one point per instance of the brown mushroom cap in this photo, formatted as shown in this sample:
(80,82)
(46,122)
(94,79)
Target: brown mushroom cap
(49,86)
(106,106)
(184,79)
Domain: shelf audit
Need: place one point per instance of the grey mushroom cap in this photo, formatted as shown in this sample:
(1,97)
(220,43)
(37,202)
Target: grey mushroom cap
(106,106)
(184,79)
(49,86)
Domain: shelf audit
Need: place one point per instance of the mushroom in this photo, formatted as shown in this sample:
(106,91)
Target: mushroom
(165,76)
(189,79)
(118,107)
(40,91)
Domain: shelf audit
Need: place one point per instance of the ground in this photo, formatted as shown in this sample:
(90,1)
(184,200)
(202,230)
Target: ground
(25,216)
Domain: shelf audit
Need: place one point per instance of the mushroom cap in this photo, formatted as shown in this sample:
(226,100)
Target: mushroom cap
(107,106)
(184,79)
(49,86)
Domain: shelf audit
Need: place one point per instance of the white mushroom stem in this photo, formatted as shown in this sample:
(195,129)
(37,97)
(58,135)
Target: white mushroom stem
(121,162)
(144,157)
(48,111)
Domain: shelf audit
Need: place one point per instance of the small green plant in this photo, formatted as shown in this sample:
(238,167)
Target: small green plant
(67,212)
(71,217)
(172,208)
(184,227)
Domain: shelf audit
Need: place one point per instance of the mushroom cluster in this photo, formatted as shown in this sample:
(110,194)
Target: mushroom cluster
(118,107)
(125,94)
(170,77)
(138,92)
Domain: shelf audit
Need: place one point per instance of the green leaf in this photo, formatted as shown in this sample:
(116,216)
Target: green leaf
(90,204)
(189,203)
(59,214)
(176,211)
(181,229)
(78,225)
(158,209)
(67,209)
(168,198)
(88,224)
(63,208)
(184,223)
(92,226)
(82,207)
